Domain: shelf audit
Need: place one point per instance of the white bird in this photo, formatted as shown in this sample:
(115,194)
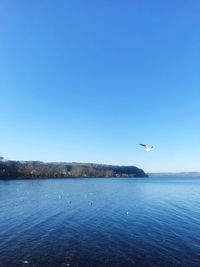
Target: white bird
(147,148)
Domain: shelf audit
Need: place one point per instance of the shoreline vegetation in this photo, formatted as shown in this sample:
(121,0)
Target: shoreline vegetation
(36,169)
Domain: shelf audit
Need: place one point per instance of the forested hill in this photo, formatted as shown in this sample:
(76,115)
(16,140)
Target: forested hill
(37,169)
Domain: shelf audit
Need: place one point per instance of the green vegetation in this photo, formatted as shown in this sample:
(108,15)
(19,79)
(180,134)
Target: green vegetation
(36,169)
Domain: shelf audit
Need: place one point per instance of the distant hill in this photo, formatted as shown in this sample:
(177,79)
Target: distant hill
(177,174)
(36,169)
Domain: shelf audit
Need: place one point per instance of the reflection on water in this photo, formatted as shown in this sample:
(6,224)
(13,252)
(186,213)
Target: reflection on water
(100,222)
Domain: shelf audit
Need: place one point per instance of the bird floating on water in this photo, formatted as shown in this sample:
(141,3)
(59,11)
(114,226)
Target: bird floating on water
(147,148)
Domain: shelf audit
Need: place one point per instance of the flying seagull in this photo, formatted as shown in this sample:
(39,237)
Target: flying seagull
(147,148)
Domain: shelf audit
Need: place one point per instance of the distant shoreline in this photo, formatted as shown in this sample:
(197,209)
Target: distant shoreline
(41,170)
(66,178)
(174,175)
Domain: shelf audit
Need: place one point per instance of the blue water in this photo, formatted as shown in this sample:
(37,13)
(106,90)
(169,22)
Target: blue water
(100,222)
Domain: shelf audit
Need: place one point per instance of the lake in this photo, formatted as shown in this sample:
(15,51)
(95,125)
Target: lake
(100,222)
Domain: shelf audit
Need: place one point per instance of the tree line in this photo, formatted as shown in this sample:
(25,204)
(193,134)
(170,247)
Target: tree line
(37,169)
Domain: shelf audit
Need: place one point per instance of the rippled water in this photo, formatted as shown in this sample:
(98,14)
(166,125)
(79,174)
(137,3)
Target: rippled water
(100,222)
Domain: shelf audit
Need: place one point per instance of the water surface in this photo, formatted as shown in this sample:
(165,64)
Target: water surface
(100,222)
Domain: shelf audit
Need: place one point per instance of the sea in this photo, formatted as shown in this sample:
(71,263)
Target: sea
(100,222)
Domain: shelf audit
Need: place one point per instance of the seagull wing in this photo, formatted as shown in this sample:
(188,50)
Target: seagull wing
(142,145)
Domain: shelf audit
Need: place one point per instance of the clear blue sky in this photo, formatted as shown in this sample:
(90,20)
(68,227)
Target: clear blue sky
(88,81)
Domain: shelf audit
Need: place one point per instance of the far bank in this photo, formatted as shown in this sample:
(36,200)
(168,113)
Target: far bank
(37,169)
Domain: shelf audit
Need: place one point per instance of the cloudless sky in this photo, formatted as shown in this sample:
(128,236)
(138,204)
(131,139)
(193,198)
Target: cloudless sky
(87,81)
